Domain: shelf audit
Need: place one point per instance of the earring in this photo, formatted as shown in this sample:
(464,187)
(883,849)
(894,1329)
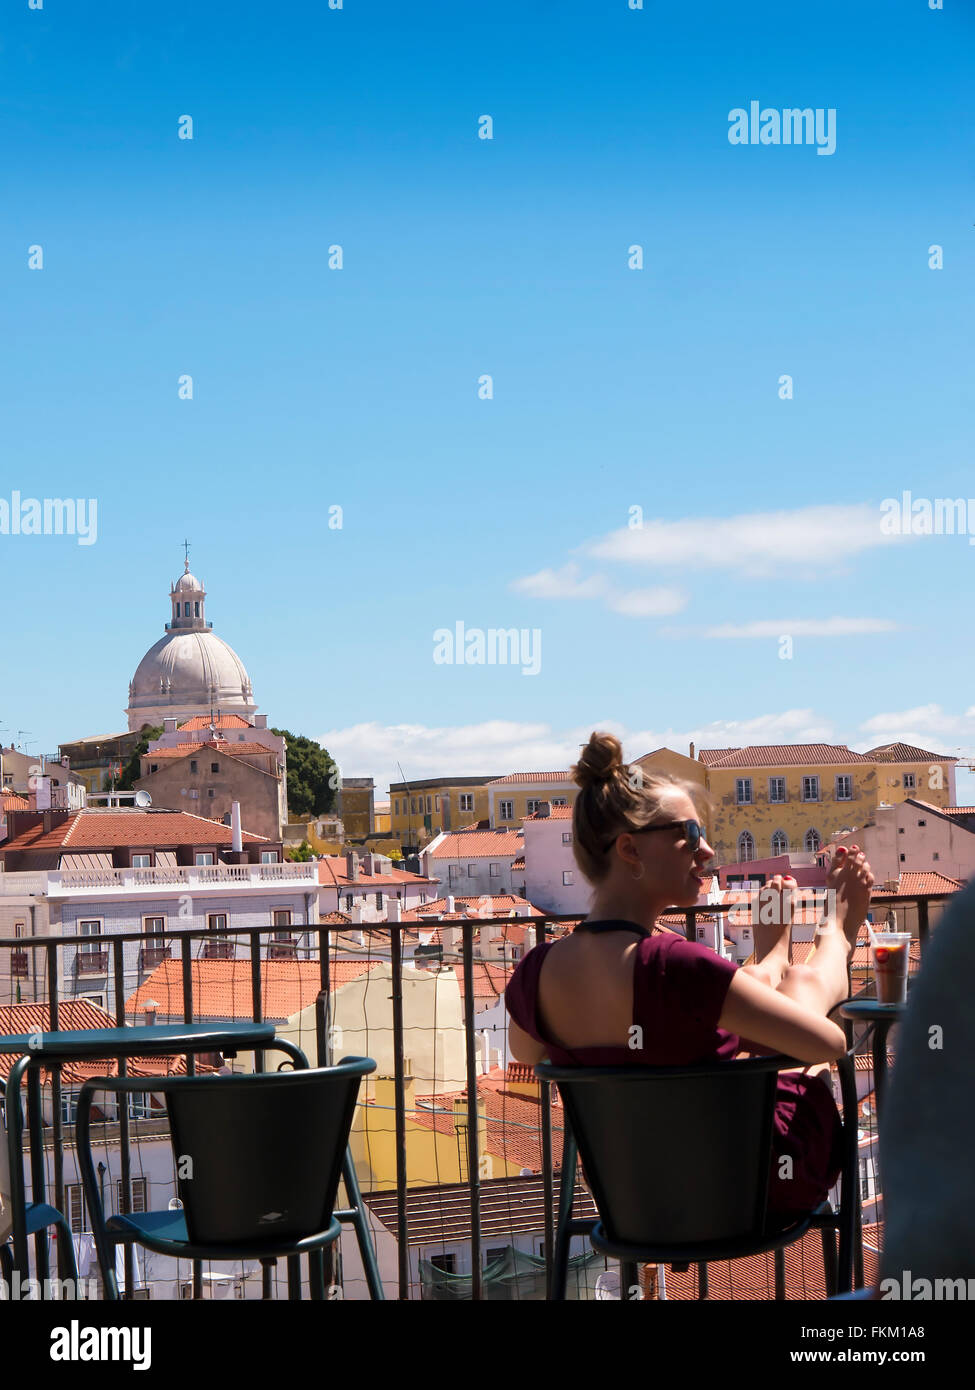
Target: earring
(636,877)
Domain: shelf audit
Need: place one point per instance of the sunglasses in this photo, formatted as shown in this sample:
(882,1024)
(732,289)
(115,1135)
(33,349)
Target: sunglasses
(694,832)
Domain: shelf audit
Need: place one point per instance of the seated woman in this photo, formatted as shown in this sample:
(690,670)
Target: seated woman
(613,993)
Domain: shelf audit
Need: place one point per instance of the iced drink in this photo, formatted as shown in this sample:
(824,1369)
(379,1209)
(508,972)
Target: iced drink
(890,952)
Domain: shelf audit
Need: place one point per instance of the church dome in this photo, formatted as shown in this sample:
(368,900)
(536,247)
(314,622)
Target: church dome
(190,670)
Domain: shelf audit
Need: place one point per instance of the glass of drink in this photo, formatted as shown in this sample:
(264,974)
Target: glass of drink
(890,954)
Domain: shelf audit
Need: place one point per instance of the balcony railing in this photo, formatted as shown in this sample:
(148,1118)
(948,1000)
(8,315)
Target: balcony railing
(461,1105)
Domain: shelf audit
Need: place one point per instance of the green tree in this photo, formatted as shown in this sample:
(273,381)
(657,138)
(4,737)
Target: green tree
(132,770)
(313,778)
(299,854)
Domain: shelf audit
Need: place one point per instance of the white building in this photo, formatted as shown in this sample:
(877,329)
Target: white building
(476,861)
(553,880)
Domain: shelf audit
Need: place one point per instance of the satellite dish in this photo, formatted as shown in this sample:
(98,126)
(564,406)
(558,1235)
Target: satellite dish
(142,798)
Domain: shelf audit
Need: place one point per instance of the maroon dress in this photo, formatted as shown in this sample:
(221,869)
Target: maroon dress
(679,989)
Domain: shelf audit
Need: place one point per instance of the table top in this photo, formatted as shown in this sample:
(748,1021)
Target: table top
(153,1039)
(870,1008)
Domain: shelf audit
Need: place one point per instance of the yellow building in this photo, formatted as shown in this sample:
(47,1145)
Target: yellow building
(420,810)
(512,798)
(781,798)
(905,771)
(687,767)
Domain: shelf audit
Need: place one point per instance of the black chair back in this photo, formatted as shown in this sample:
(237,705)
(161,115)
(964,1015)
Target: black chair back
(259,1157)
(674,1155)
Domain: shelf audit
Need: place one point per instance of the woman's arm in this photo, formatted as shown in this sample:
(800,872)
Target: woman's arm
(522,1046)
(755,1011)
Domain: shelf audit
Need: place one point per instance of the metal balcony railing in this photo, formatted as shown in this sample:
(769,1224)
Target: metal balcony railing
(457,1221)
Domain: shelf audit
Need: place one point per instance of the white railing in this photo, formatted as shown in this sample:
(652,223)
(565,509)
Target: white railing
(66,881)
(23,884)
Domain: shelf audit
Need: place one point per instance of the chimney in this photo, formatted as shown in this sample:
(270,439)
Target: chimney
(691,753)
(260,721)
(394,910)
(450,903)
(169,726)
(544,809)
(352,865)
(355,912)
(151,1006)
(236,837)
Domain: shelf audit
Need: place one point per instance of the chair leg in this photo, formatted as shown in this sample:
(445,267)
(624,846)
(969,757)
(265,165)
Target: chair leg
(780,1274)
(67,1265)
(7,1268)
(267,1277)
(828,1234)
(294,1278)
(316,1275)
(629,1280)
(367,1251)
(567,1188)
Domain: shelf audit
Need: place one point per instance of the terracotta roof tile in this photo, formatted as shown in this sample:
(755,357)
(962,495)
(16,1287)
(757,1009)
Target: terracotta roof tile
(235,750)
(485,844)
(906,753)
(104,829)
(222,989)
(220,721)
(443,1214)
(783,755)
(333,873)
(919,885)
(529,777)
(555,813)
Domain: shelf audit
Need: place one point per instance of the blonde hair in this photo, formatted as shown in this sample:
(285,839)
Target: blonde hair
(613,798)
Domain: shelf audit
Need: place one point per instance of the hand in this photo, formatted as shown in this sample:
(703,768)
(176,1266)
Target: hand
(851,879)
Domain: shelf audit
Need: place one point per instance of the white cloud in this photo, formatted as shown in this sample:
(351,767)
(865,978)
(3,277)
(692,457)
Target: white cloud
(565,583)
(756,543)
(500,746)
(803,627)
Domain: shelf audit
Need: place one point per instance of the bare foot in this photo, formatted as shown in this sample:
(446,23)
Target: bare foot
(772,919)
(849,881)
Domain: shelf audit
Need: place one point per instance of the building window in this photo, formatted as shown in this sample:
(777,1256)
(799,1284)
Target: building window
(743,791)
(567,837)
(154,926)
(214,767)
(396,806)
(812,841)
(436,804)
(217,921)
(412,805)
(936,855)
(446,1263)
(192,765)
(186,609)
(138,1189)
(566,878)
(269,856)
(140,1108)
(142,861)
(348,902)
(153,767)
(78,1218)
(467,801)
(559,801)
(494,1254)
(453,871)
(776,789)
(780,842)
(429,805)
(844,787)
(92,928)
(903,858)
(472,871)
(506,810)
(69,1107)
(910,781)
(531,806)
(210,792)
(495,870)
(810,789)
(203,858)
(746,847)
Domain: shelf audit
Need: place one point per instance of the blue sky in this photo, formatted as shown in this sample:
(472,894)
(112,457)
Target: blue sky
(613,388)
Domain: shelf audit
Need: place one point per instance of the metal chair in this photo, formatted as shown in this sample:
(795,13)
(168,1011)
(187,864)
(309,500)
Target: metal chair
(677,1160)
(38,1215)
(258,1159)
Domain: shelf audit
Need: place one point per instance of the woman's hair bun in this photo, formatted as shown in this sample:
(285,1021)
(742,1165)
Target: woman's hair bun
(601,760)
